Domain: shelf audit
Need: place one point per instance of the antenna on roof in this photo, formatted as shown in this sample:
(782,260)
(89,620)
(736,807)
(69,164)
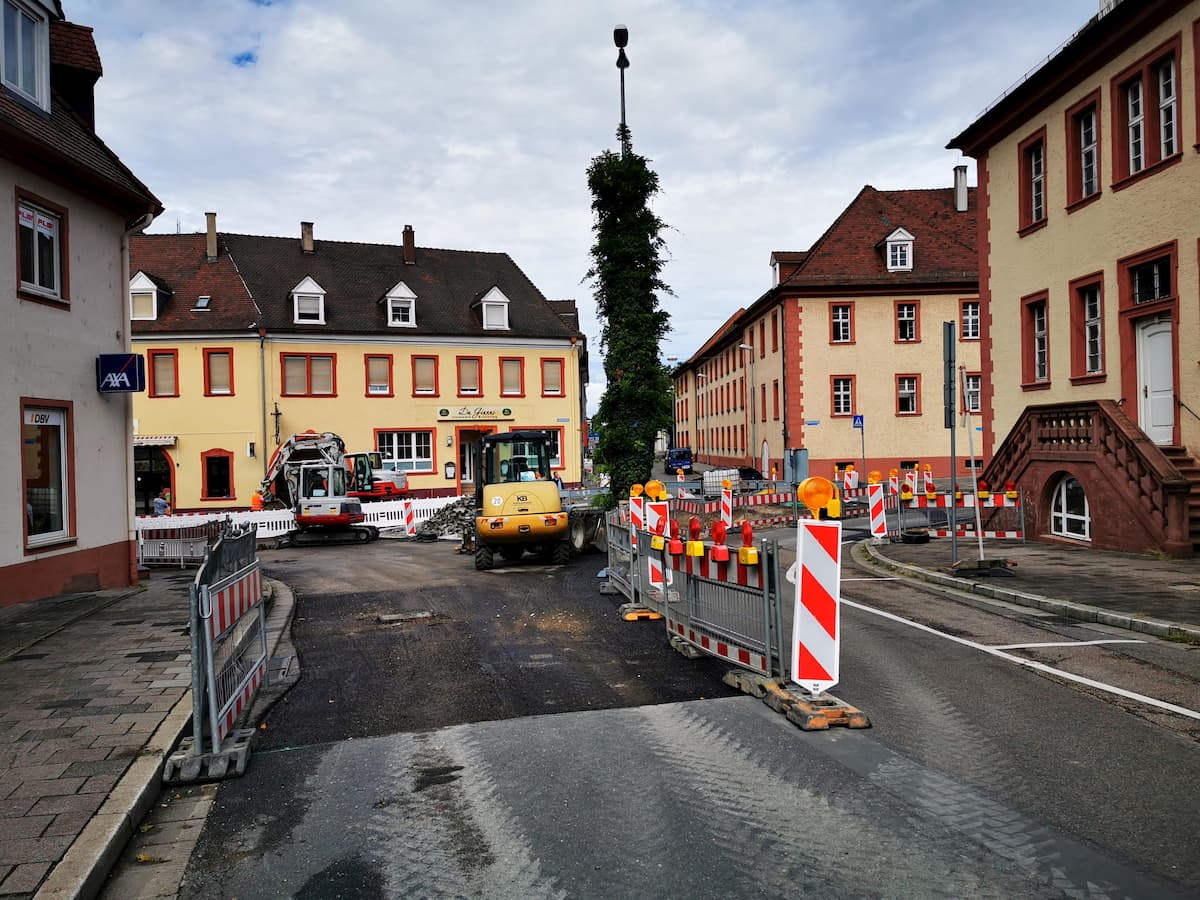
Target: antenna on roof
(178,225)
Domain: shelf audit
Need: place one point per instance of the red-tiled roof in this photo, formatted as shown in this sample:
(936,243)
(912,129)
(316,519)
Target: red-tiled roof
(850,252)
(179,262)
(73,45)
(719,335)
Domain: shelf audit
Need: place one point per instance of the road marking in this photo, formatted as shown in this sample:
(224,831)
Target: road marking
(1031,664)
(1065,644)
(869,578)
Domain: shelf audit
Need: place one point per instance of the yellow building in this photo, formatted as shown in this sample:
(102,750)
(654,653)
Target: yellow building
(1089,186)
(414,352)
(841,361)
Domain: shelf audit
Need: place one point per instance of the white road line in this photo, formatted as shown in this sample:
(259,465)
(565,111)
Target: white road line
(875,578)
(1064,644)
(1031,664)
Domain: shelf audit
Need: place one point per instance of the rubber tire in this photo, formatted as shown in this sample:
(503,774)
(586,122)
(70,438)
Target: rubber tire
(512,553)
(483,558)
(578,533)
(561,555)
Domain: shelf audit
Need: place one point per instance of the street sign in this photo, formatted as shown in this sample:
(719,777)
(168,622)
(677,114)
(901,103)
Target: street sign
(858,421)
(812,421)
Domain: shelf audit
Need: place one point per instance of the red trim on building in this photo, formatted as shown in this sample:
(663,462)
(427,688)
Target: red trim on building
(1074,145)
(562,373)
(1026,224)
(152,387)
(68,410)
(208,352)
(391,381)
(520,361)
(1029,380)
(458,361)
(96,568)
(204,457)
(1079,373)
(437,385)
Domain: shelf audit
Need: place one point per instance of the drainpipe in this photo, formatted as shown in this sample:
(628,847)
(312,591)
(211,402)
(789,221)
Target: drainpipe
(127,346)
(262,393)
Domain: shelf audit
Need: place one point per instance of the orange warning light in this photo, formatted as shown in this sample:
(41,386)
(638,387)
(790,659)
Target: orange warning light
(815,493)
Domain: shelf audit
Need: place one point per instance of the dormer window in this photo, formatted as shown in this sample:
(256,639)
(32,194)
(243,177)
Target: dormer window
(495,310)
(401,307)
(308,303)
(143,298)
(25,51)
(899,251)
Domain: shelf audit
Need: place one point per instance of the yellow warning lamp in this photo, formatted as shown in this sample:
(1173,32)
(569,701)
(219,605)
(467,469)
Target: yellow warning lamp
(906,492)
(655,490)
(657,542)
(747,553)
(893,473)
(815,493)
(635,490)
(727,484)
(983,491)
(694,546)
(1010,490)
(874,476)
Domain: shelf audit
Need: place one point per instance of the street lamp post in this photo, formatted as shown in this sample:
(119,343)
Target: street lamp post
(700,376)
(753,448)
(621,39)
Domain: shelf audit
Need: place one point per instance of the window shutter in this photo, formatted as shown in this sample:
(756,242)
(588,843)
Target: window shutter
(468,376)
(322,375)
(551,376)
(512,376)
(423,374)
(143,305)
(218,373)
(164,374)
(295,375)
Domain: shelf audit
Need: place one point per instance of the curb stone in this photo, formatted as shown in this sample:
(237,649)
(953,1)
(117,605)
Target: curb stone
(1079,611)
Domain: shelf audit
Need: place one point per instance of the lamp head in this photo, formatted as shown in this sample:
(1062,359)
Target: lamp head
(621,36)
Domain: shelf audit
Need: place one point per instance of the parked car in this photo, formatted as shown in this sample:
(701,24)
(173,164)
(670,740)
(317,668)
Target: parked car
(678,458)
(748,473)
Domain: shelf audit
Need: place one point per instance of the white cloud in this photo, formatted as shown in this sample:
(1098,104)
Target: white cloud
(475,122)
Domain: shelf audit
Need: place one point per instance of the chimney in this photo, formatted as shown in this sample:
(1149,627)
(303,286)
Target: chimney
(212,236)
(410,246)
(960,188)
(306,240)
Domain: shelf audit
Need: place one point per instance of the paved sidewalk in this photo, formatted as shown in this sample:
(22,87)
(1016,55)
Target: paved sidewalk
(1152,596)
(95,690)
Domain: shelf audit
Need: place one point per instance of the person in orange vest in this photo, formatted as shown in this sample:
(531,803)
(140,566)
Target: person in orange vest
(256,502)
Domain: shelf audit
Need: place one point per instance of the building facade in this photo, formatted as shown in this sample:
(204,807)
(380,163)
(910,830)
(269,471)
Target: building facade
(841,361)
(65,471)
(1089,181)
(415,352)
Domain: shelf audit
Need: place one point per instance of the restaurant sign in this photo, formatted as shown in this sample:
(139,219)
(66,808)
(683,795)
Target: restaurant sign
(474,414)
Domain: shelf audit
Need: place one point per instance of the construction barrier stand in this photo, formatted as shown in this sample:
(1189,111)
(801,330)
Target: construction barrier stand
(816,632)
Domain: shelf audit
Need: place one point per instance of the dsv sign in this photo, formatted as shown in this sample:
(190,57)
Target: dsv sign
(120,373)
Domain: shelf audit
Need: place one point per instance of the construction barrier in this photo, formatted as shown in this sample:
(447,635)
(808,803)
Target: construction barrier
(160,543)
(1001,515)
(816,632)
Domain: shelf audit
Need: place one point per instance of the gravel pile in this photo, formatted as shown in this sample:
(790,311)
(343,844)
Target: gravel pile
(455,520)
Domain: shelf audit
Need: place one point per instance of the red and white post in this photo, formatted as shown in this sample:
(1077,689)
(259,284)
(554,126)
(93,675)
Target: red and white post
(636,517)
(727,507)
(657,514)
(878,518)
(410,519)
(816,632)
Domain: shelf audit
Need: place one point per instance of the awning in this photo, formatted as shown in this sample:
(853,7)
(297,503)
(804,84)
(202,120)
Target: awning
(154,440)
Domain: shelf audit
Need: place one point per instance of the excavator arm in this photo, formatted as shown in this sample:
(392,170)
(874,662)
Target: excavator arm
(286,460)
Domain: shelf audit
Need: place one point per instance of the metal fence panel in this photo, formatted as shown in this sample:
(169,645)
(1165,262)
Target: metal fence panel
(620,555)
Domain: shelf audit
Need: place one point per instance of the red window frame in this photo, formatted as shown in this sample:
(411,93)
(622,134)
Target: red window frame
(962,400)
(774,331)
(833,380)
(1144,71)
(152,387)
(208,353)
(775,399)
(962,317)
(308,358)
(916,398)
(391,382)
(437,385)
(218,453)
(520,361)
(68,410)
(916,305)
(1028,350)
(832,335)
(1074,144)
(562,373)
(458,361)
(1026,223)
(763,405)
(762,338)
(1079,372)
(64,250)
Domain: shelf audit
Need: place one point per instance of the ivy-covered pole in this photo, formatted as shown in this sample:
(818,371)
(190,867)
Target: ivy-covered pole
(626,265)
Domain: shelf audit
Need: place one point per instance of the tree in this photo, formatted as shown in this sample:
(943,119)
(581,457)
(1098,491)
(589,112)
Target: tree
(626,265)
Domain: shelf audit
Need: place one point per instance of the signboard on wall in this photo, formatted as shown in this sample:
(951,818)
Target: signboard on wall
(120,373)
(474,414)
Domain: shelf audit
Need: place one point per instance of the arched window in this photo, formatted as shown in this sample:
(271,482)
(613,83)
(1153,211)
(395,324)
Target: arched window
(1069,514)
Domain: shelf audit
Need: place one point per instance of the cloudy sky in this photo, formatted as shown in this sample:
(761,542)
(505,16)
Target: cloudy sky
(475,121)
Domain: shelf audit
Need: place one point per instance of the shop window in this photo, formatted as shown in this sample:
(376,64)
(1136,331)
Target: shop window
(46,467)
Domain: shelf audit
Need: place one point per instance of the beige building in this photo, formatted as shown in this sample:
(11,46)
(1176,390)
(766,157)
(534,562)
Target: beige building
(841,361)
(1089,184)
(65,473)
(411,351)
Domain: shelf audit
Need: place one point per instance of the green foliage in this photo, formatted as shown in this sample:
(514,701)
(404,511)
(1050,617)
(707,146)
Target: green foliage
(625,274)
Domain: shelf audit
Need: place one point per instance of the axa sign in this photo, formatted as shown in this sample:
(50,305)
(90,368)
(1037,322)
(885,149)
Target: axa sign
(120,373)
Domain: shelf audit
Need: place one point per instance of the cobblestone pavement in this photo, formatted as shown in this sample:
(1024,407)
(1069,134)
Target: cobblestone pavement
(85,681)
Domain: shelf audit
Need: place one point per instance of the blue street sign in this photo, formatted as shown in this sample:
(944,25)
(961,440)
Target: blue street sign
(812,421)
(858,421)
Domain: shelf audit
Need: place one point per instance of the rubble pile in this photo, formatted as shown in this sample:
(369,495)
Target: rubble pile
(456,520)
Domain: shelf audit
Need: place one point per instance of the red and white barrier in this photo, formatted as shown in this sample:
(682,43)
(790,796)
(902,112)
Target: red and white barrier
(233,601)
(410,520)
(731,572)
(878,518)
(894,483)
(816,632)
(717,647)
(945,533)
(244,697)
(658,513)
(727,507)
(636,518)
(929,486)
(849,479)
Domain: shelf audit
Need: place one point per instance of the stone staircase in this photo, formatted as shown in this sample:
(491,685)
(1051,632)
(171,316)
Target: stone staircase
(1189,469)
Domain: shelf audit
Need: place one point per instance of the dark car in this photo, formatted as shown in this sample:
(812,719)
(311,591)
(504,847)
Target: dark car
(746,473)
(678,458)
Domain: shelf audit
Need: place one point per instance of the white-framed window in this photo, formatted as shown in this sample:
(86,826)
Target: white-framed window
(469,376)
(512,378)
(25,51)
(1093,329)
(1069,513)
(494,306)
(1088,149)
(1151,280)
(906,395)
(970,320)
(401,307)
(1135,124)
(972,385)
(308,303)
(843,396)
(425,376)
(1166,108)
(552,377)
(143,298)
(1041,343)
(40,238)
(1037,181)
(406,451)
(906,321)
(899,251)
(379,374)
(45,441)
(841,332)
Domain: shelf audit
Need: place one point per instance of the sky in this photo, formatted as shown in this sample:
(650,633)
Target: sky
(475,122)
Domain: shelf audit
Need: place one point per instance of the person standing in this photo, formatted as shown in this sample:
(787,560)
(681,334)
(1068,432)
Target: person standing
(162,505)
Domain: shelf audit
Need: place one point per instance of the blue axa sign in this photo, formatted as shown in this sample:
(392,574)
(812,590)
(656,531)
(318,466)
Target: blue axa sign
(120,373)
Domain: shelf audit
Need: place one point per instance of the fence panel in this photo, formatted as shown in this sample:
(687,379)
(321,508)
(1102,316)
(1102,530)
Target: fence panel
(621,556)
(174,544)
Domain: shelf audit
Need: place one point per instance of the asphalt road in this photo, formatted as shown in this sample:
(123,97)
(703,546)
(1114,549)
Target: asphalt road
(520,740)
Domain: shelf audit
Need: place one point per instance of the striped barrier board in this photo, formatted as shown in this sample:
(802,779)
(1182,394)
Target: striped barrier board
(229,603)
(878,517)
(410,520)
(945,533)
(636,509)
(816,630)
(717,646)
(966,501)
(731,572)
(727,507)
